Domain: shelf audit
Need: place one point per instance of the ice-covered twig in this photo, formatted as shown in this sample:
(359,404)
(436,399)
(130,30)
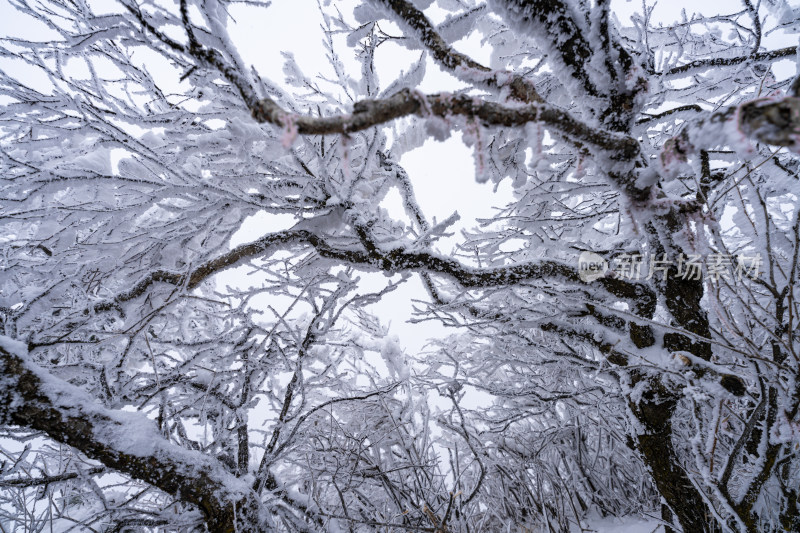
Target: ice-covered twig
(705,64)
(460,64)
(127,442)
(770,120)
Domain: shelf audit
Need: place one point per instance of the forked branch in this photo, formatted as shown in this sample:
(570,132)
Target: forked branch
(126,442)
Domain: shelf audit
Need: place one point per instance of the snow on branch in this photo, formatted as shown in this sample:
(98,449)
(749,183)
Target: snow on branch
(368,113)
(546,19)
(704,64)
(126,442)
(460,64)
(771,120)
(394,260)
(47,480)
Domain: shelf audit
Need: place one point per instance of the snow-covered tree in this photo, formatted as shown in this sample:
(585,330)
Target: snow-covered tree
(625,328)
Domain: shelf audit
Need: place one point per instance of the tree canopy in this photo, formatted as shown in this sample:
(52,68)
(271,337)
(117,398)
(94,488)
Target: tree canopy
(623,331)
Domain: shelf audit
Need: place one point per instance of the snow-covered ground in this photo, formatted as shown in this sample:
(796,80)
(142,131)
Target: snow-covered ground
(615,525)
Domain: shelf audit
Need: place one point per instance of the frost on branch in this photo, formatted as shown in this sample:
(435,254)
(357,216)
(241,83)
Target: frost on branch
(222,276)
(126,442)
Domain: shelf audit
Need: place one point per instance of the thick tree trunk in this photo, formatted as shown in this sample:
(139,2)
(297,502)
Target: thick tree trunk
(682,298)
(655,411)
(657,406)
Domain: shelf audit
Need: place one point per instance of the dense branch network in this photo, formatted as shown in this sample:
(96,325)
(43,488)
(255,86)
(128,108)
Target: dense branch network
(777,124)
(391,261)
(126,442)
(284,404)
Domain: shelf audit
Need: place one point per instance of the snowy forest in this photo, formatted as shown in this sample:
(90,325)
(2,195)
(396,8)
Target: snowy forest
(202,260)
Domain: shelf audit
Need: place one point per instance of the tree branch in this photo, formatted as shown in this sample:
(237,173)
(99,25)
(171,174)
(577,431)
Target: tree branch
(705,64)
(369,113)
(46,480)
(126,442)
(392,260)
(544,19)
(740,442)
(521,89)
(774,121)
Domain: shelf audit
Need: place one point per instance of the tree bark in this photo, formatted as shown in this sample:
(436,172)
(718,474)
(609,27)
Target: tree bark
(126,442)
(655,412)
